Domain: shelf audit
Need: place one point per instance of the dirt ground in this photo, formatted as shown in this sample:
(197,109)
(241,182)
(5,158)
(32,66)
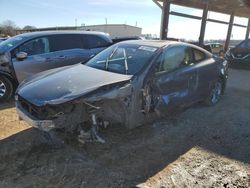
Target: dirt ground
(200,147)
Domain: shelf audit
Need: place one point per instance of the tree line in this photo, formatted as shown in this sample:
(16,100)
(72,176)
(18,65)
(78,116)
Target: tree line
(8,28)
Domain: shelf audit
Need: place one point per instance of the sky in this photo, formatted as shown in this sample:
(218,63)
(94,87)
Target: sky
(143,13)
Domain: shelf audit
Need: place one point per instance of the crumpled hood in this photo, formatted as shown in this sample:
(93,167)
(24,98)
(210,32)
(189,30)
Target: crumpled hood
(65,84)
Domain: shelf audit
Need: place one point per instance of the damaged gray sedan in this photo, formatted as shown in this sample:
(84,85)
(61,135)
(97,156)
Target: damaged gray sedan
(125,84)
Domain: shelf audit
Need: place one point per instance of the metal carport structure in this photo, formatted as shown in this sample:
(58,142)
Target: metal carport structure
(233,8)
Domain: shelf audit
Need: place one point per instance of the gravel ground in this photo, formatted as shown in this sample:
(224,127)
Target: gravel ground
(200,147)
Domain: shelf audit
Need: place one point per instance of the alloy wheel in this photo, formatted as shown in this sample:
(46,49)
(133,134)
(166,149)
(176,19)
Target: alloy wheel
(2,89)
(216,93)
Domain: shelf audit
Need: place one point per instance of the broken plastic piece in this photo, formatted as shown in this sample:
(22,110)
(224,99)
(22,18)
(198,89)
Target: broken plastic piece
(94,130)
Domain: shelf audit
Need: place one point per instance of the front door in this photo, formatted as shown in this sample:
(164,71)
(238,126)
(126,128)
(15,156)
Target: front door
(39,58)
(175,78)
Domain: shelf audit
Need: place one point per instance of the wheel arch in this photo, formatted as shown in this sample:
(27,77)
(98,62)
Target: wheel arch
(10,77)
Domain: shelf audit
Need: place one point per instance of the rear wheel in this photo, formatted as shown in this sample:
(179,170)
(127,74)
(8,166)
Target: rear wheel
(6,88)
(215,93)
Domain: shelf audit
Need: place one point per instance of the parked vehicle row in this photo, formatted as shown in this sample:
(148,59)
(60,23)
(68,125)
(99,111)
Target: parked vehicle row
(126,84)
(240,54)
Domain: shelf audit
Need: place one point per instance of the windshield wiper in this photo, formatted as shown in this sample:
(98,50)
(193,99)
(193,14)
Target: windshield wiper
(125,61)
(107,60)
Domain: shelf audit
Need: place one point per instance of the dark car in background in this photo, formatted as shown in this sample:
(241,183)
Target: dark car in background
(120,39)
(215,48)
(30,53)
(3,39)
(240,54)
(125,84)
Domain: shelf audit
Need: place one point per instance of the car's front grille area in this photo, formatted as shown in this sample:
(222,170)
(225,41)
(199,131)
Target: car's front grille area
(47,112)
(35,111)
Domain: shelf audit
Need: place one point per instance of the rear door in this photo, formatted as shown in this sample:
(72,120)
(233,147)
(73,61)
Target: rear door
(96,44)
(40,58)
(175,78)
(69,49)
(207,70)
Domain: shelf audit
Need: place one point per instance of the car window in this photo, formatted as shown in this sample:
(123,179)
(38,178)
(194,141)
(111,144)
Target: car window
(173,58)
(65,42)
(96,41)
(35,46)
(198,55)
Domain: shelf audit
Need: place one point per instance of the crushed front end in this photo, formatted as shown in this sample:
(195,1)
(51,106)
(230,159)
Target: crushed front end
(106,105)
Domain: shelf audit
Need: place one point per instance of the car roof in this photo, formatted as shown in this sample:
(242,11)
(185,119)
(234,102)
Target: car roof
(159,43)
(152,43)
(213,43)
(42,33)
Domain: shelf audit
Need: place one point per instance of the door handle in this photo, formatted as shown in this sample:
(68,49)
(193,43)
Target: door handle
(62,57)
(48,59)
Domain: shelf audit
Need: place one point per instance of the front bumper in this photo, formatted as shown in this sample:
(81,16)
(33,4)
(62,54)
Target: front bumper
(45,125)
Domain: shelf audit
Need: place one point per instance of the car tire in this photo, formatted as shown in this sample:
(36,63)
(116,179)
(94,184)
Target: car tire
(6,89)
(215,93)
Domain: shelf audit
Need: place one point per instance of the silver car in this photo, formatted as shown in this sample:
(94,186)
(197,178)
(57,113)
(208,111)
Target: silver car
(27,54)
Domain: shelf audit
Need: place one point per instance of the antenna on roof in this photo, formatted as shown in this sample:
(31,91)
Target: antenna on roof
(76,22)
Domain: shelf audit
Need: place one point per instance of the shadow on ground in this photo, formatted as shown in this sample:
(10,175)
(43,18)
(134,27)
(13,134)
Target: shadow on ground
(5,105)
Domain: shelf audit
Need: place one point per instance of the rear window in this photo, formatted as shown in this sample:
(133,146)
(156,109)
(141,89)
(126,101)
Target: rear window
(66,42)
(198,55)
(96,41)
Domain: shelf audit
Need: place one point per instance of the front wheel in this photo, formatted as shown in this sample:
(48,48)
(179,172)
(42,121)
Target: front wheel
(215,93)
(6,88)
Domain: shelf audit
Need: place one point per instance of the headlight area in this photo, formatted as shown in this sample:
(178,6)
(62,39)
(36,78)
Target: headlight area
(66,115)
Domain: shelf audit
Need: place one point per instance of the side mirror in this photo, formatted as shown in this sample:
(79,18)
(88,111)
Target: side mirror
(21,56)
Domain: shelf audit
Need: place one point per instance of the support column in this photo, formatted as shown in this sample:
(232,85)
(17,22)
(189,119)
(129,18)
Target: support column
(248,29)
(203,25)
(165,19)
(229,31)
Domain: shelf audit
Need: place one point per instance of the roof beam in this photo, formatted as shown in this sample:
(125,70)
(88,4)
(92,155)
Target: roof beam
(248,29)
(158,4)
(185,15)
(229,32)
(203,25)
(222,6)
(165,20)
